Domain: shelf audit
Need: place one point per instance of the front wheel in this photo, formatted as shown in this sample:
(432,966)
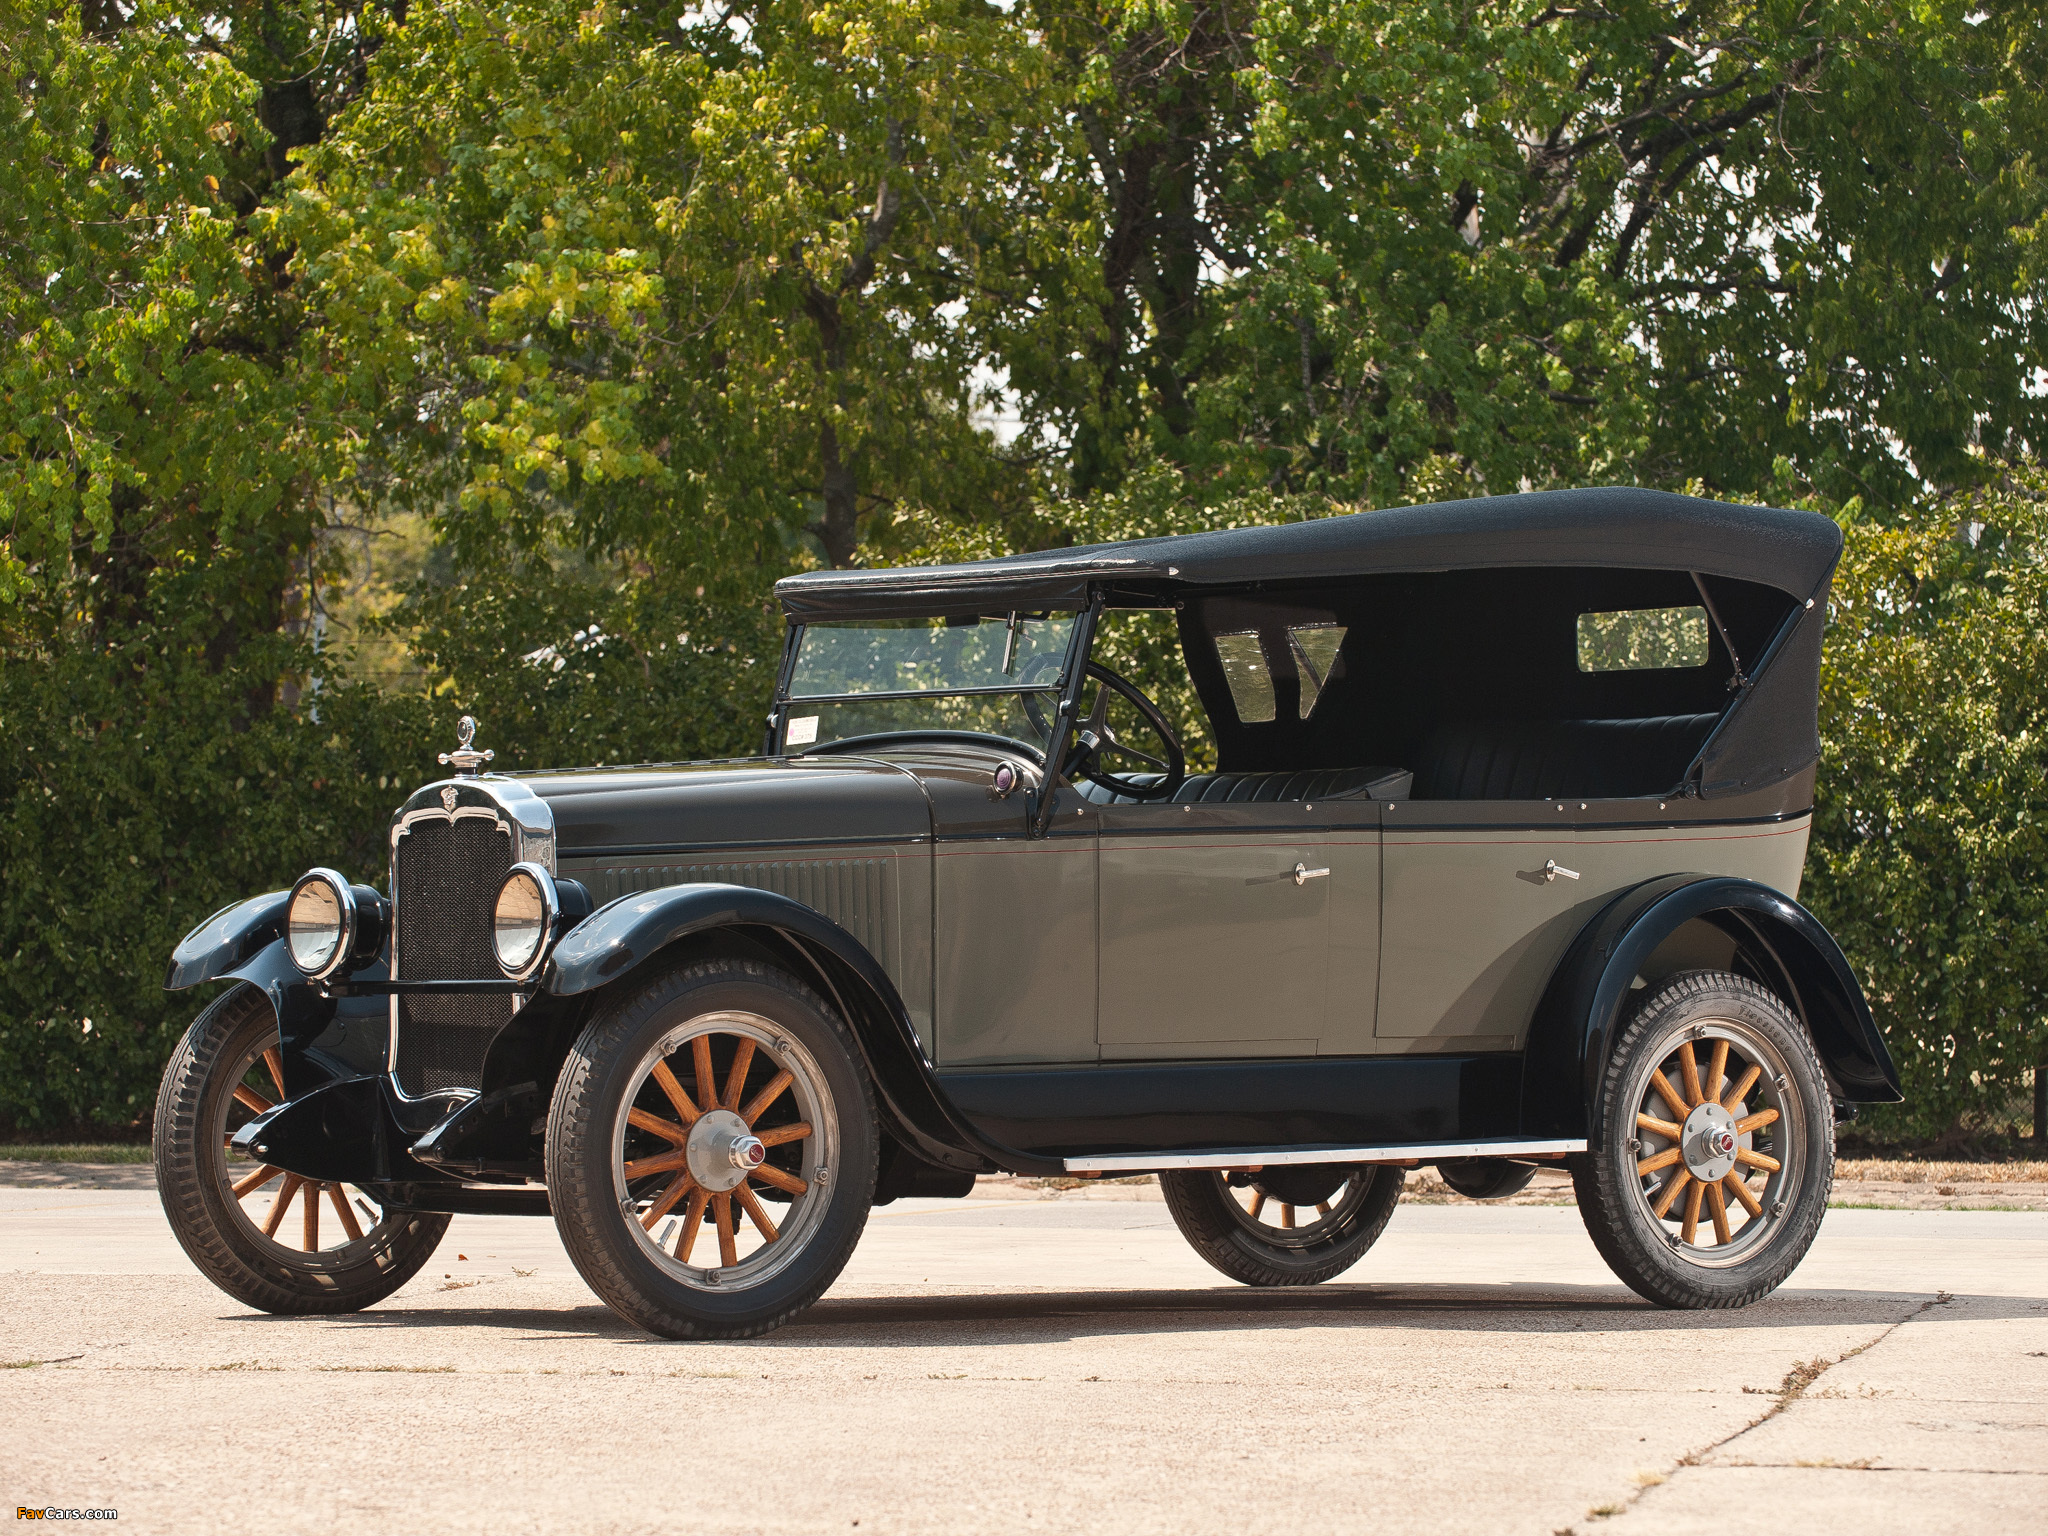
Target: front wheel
(711,1151)
(1719,1145)
(1298,1225)
(268,1238)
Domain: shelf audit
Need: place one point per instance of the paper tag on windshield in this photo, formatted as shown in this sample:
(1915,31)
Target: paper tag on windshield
(802,731)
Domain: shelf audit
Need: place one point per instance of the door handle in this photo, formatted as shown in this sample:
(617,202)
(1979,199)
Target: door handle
(1303,874)
(1552,869)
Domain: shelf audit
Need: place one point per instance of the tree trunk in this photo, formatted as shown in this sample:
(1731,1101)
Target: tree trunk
(839,528)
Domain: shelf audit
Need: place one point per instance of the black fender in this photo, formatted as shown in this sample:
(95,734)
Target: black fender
(321,1038)
(618,939)
(1778,941)
(346,1131)
(227,941)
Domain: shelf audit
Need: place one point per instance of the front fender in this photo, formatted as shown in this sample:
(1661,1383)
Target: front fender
(228,940)
(613,941)
(1586,1003)
(321,1038)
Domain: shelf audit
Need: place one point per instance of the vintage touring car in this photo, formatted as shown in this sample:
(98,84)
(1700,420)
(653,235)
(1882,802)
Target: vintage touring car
(1496,864)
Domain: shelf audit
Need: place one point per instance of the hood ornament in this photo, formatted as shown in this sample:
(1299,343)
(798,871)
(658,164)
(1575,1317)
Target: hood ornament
(465,757)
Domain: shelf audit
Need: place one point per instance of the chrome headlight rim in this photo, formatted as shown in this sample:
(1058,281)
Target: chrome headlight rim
(550,914)
(347,921)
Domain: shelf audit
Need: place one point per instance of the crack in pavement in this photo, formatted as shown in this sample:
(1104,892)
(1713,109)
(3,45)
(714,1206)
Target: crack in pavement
(1789,1391)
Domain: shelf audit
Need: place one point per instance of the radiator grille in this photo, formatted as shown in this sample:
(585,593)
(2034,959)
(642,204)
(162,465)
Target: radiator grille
(448,873)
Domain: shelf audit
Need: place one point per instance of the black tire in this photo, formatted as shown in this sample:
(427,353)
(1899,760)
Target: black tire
(378,1251)
(1485,1178)
(1234,1238)
(1769,1115)
(639,1262)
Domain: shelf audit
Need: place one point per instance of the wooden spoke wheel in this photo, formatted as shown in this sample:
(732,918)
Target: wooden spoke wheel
(1716,1141)
(297,1215)
(712,1150)
(1719,1148)
(1296,1207)
(731,1116)
(1297,1225)
(267,1236)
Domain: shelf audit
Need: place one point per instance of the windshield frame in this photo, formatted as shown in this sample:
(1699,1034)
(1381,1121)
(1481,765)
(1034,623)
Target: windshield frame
(1067,692)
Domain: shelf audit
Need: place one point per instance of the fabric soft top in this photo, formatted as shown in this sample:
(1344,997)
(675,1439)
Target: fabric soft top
(1613,526)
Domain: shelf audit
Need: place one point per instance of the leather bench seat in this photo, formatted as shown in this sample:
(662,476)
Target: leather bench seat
(1248,788)
(1554,759)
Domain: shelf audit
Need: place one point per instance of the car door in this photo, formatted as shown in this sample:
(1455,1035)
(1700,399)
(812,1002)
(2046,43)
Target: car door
(1478,905)
(1013,923)
(1214,930)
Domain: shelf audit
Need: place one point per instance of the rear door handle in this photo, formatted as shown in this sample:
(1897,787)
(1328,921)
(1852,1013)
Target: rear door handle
(1552,869)
(1303,874)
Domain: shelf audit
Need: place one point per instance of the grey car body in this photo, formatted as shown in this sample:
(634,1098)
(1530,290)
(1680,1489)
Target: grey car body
(1401,919)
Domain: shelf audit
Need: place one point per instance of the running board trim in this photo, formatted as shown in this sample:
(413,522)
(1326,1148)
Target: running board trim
(1280,1157)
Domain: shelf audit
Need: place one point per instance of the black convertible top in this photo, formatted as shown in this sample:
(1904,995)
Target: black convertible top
(1612,527)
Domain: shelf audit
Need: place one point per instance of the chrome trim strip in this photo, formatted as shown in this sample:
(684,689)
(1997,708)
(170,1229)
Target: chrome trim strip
(1280,1157)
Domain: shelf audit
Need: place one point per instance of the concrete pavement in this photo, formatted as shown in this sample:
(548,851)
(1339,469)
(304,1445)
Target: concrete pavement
(1043,1365)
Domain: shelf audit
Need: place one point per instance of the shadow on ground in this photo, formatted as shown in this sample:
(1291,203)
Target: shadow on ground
(1032,1317)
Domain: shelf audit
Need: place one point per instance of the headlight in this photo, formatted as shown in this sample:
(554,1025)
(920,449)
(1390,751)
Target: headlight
(320,922)
(523,920)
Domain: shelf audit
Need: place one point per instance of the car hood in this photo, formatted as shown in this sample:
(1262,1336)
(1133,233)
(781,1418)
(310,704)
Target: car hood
(604,811)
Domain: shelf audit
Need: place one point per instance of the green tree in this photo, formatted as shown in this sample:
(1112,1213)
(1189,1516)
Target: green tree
(637,306)
(1384,251)
(164,439)
(1932,826)
(683,292)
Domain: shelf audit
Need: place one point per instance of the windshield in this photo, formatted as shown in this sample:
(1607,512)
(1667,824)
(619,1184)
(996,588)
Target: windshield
(996,675)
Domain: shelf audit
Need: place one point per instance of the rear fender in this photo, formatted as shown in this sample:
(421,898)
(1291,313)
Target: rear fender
(620,940)
(1778,942)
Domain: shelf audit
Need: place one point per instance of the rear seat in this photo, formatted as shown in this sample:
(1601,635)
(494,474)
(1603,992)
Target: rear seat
(1246,788)
(1551,759)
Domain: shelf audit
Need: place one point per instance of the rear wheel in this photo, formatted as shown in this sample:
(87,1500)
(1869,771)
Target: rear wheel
(267,1237)
(1719,1145)
(1283,1226)
(711,1151)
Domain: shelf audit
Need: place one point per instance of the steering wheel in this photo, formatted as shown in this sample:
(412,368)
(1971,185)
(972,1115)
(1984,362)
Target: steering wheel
(1095,741)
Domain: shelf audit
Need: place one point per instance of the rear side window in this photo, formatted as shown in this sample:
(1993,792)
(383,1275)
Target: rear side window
(1315,648)
(1250,679)
(1642,639)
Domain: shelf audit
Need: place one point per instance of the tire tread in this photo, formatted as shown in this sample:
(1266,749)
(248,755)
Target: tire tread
(1192,1199)
(577,1109)
(1603,1200)
(201,1230)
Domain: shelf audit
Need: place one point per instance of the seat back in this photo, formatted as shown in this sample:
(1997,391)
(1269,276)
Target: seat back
(1553,759)
(1246,788)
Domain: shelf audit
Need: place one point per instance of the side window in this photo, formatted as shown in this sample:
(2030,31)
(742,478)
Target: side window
(1642,640)
(1245,670)
(1315,648)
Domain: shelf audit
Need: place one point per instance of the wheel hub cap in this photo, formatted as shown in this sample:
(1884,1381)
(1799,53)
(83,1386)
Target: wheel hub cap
(1708,1142)
(722,1151)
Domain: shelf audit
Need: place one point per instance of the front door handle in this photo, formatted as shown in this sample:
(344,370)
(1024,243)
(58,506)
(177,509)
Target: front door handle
(1552,869)
(1303,874)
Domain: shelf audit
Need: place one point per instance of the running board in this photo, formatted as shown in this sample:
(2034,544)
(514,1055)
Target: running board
(1280,1157)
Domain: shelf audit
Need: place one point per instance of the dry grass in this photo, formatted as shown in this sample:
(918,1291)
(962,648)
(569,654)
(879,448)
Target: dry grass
(76,1152)
(1871,1170)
